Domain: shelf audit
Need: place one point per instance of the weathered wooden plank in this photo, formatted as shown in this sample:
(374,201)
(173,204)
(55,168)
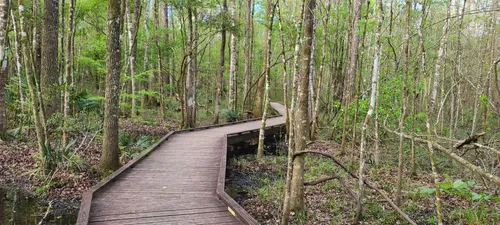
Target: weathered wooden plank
(131,206)
(159,213)
(220,216)
(83,215)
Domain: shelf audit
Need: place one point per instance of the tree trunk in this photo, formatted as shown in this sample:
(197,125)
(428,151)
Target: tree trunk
(146,49)
(50,63)
(267,65)
(110,156)
(17,55)
(167,56)
(301,118)
(373,100)
(248,52)
(37,39)
(437,72)
(350,78)
(399,182)
(4,14)
(221,67)
(133,28)
(285,217)
(232,65)
(312,75)
(67,71)
(190,98)
(159,65)
(257,110)
(421,67)
(37,109)
(314,125)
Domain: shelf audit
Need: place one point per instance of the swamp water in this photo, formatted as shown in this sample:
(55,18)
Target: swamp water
(18,207)
(239,184)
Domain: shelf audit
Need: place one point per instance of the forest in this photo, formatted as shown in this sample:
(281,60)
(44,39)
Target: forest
(392,107)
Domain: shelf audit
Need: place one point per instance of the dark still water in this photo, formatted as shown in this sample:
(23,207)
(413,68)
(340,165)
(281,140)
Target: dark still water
(20,208)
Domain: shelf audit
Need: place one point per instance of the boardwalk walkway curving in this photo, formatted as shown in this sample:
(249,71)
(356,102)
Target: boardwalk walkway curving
(180,180)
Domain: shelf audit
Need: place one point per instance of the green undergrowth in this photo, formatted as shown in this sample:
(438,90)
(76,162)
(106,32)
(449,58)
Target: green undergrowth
(465,201)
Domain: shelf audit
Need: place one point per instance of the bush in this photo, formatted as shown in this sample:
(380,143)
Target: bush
(231,115)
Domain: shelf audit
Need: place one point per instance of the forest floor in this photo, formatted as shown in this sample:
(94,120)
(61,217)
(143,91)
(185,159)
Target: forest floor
(258,187)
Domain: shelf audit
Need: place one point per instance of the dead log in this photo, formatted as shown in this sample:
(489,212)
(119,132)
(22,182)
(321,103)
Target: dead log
(477,170)
(366,181)
(471,139)
(321,180)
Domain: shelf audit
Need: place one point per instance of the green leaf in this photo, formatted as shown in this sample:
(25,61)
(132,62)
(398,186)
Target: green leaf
(445,185)
(471,183)
(448,178)
(427,190)
(459,184)
(475,196)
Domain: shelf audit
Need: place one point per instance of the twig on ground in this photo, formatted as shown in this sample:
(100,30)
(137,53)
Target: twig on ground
(366,181)
(49,208)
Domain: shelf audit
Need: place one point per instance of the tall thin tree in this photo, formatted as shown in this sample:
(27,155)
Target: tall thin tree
(248,51)
(190,98)
(233,61)
(285,216)
(4,15)
(221,66)
(110,156)
(259,99)
(67,70)
(267,64)
(371,108)
(301,119)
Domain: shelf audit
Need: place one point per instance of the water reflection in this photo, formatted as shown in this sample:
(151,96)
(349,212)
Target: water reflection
(20,208)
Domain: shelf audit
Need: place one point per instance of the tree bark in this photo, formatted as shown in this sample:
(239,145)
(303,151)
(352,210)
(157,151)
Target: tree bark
(267,65)
(67,71)
(248,51)
(37,39)
(19,69)
(50,63)
(133,28)
(4,15)
(29,67)
(190,98)
(314,125)
(399,181)
(232,64)
(110,156)
(437,72)
(257,110)
(301,116)
(349,90)
(285,217)
(350,78)
(221,67)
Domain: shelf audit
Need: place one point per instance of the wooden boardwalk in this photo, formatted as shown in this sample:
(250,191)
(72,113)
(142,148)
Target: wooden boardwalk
(180,180)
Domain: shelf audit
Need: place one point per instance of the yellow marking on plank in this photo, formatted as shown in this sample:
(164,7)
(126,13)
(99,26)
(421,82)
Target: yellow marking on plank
(231,211)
